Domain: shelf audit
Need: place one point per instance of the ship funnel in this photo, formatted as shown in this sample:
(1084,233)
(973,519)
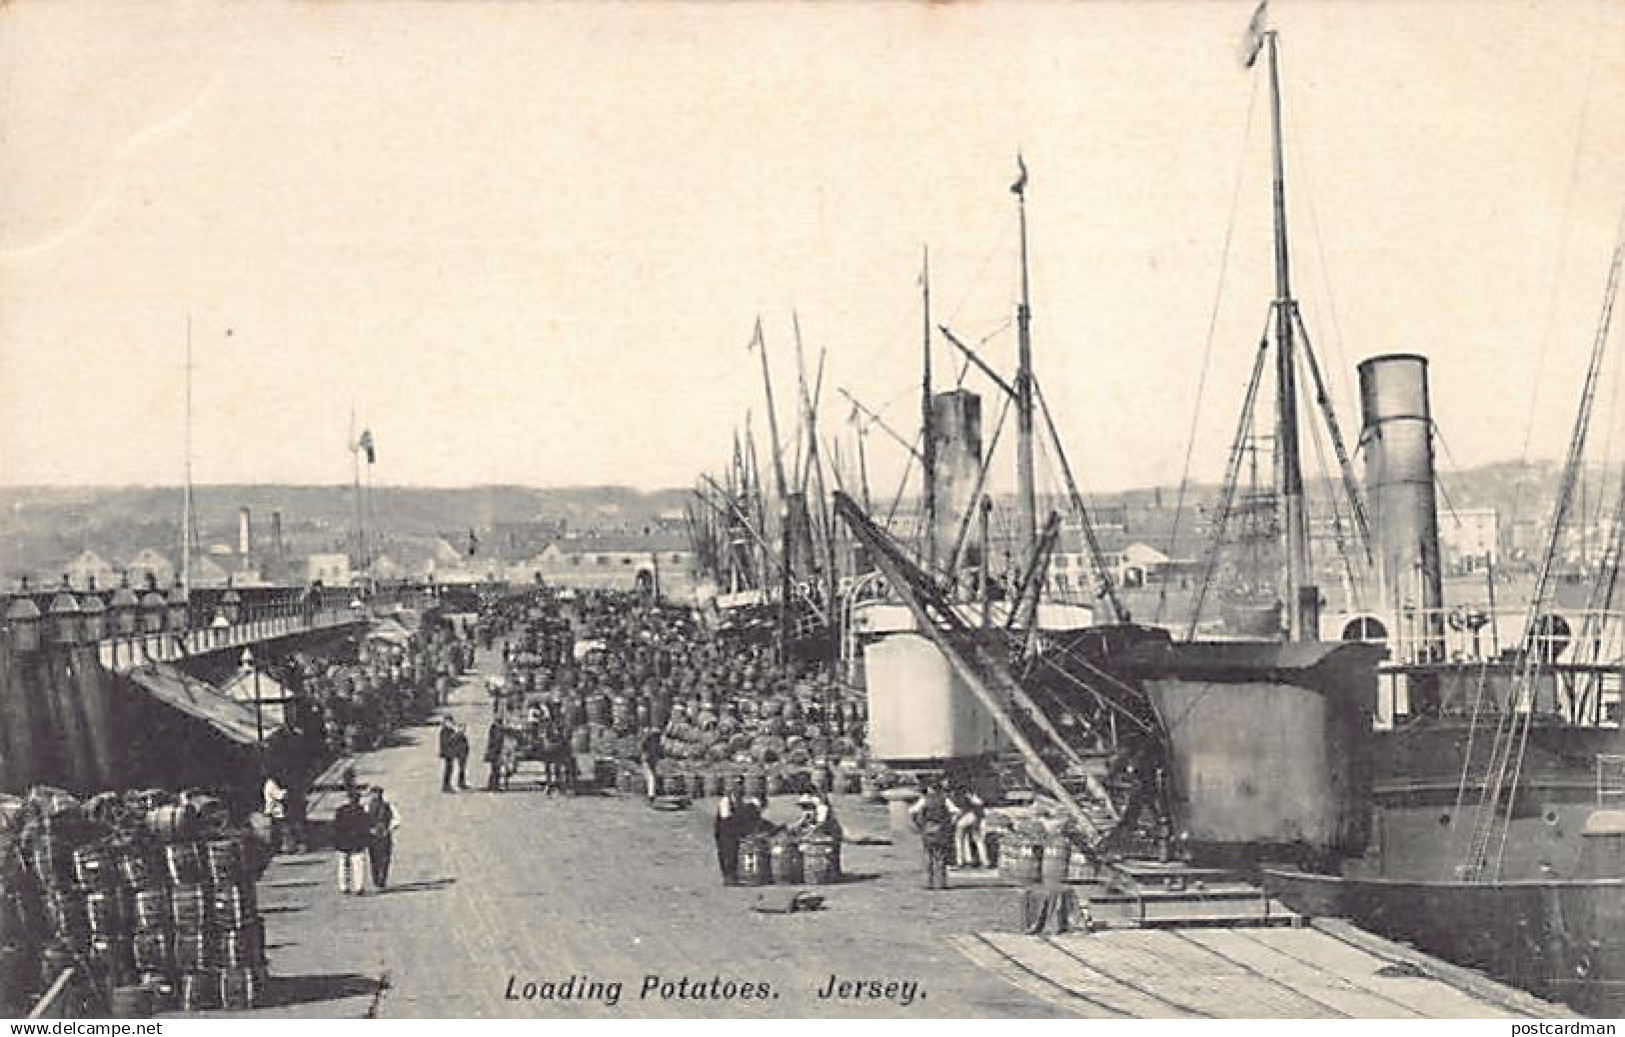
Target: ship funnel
(1397,436)
(956,425)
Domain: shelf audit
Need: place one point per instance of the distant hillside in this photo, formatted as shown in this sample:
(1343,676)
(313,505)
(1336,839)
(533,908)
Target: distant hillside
(42,528)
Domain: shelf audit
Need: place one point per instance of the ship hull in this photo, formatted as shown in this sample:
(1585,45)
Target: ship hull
(1267,744)
(1564,941)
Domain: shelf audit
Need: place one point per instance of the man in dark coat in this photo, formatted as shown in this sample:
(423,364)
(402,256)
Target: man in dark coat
(448,751)
(460,752)
(935,822)
(352,835)
(651,760)
(737,816)
(493,756)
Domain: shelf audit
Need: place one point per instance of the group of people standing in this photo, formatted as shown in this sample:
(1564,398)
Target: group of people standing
(950,821)
(364,829)
(741,815)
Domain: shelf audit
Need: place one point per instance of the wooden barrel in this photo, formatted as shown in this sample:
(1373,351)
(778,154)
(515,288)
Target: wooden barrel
(242,988)
(172,822)
(716,784)
(66,914)
(194,951)
(224,860)
(822,779)
(151,910)
(756,784)
(581,740)
(775,783)
(103,913)
(1056,860)
(235,905)
(153,951)
(184,864)
(51,862)
(240,947)
(132,868)
(786,861)
(162,984)
(820,861)
(1020,858)
(849,782)
(112,960)
(755,861)
(93,866)
(132,1001)
(199,991)
(697,786)
(190,908)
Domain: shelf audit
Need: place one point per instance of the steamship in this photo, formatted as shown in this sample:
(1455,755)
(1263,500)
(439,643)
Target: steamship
(1393,774)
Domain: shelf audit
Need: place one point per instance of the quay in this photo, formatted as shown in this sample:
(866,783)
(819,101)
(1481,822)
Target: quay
(492,892)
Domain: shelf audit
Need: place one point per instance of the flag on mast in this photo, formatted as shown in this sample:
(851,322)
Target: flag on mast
(364,444)
(1020,186)
(1254,40)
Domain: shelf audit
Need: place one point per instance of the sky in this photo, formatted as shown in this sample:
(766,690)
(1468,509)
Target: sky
(527,243)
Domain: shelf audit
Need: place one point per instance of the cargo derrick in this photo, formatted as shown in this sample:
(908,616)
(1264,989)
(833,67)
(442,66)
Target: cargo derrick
(1085,738)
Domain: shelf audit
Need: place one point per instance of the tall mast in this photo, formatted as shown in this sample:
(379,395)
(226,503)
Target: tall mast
(186,492)
(760,345)
(928,438)
(1302,610)
(1026,501)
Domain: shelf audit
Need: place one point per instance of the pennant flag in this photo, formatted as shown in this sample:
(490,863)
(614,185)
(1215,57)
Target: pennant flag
(1254,40)
(1020,186)
(366,447)
(473,543)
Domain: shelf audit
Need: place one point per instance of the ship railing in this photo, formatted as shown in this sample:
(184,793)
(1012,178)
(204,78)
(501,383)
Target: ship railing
(1466,633)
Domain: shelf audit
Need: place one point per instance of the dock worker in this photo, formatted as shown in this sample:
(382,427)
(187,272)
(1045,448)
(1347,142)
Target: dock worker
(970,833)
(383,819)
(651,760)
(738,816)
(934,821)
(352,835)
(494,739)
(817,818)
(448,751)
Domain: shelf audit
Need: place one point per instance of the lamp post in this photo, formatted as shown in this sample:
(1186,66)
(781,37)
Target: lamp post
(247,662)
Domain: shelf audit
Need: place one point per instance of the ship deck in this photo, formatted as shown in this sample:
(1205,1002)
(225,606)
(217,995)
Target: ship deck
(493,892)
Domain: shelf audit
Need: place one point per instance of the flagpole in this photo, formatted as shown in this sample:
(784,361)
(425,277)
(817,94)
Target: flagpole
(355,476)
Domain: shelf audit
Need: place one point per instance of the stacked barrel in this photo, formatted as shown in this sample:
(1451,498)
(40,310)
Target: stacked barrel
(793,743)
(1032,853)
(150,895)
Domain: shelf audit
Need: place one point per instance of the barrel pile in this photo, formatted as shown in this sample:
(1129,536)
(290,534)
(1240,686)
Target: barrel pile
(783,859)
(1033,851)
(149,894)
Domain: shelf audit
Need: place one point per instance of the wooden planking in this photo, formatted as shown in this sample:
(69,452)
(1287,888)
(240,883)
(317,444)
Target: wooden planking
(1162,963)
(985,956)
(1035,954)
(1217,986)
(1333,990)
(1430,997)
